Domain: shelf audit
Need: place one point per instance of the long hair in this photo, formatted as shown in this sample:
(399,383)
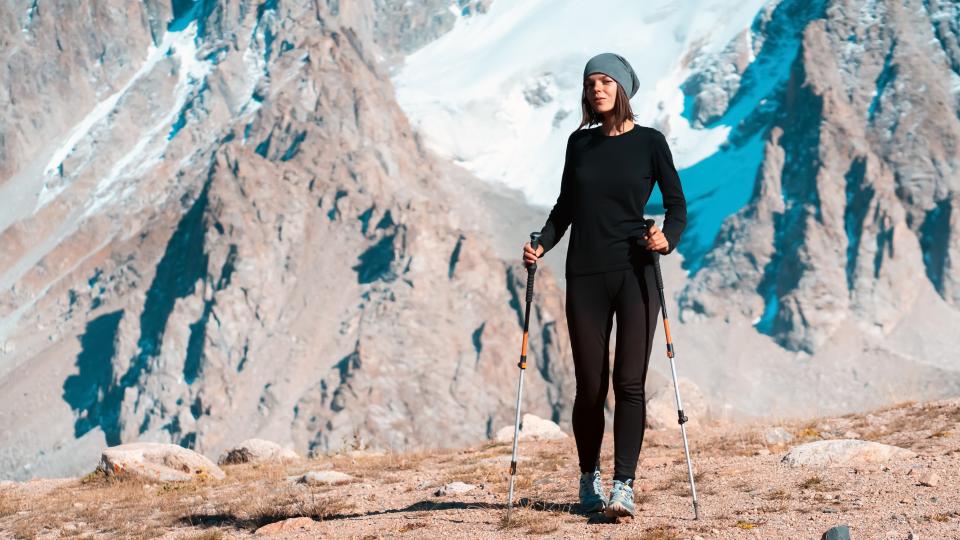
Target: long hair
(621,110)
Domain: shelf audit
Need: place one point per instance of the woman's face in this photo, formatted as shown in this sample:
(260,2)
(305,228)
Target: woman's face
(601,92)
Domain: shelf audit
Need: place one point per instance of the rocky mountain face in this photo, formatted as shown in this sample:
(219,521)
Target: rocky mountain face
(855,203)
(219,224)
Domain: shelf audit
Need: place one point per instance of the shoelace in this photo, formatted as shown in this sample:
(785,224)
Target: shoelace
(597,485)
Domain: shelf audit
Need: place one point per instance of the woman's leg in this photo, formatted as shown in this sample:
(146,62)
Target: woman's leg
(636,304)
(589,321)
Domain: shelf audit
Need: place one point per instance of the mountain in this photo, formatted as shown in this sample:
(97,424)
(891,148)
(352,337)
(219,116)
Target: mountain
(850,215)
(229,227)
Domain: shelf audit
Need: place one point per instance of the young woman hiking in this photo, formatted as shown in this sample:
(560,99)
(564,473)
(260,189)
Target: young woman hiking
(608,174)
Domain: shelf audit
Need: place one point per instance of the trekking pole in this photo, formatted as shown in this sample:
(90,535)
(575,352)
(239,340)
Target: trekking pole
(531,271)
(681,418)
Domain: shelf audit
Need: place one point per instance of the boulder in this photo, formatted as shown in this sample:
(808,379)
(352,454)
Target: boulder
(532,428)
(844,452)
(160,462)
(257,451)
(662,405)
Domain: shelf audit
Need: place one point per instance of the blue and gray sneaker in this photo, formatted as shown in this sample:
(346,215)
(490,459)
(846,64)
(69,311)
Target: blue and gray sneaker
(592,498)
(621,500)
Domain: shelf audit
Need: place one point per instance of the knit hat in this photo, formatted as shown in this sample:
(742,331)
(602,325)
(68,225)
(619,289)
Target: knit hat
(616,67)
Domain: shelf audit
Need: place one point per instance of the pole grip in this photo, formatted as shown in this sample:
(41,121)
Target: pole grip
(656,267)
(656,257)
(532,269)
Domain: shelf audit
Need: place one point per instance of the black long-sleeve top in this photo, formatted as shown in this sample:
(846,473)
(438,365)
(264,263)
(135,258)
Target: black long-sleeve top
(605,185)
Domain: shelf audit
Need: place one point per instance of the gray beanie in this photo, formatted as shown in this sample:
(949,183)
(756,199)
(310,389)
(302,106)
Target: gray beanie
(616,67)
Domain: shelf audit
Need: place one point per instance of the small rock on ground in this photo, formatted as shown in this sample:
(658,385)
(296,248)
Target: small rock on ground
(287,526)
(454,488)
(321,478)
(258,451)
(840,532)
(930,479)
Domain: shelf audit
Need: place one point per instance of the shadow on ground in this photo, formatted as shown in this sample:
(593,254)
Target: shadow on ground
(230,520)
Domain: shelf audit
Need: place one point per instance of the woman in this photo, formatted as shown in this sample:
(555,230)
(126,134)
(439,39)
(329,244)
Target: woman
(608,174)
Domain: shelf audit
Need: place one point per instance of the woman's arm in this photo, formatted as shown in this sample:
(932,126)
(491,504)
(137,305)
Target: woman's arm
(562,213)
(673,200)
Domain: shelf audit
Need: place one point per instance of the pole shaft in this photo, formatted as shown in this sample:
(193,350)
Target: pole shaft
(516,438)
(531,273)
(681,418)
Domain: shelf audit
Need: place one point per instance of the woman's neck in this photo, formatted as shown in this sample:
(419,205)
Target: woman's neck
(610,130)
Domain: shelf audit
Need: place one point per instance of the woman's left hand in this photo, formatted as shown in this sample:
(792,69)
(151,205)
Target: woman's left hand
(656,241)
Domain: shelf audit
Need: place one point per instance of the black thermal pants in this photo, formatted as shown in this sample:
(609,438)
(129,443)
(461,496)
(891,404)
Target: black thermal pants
(592,301)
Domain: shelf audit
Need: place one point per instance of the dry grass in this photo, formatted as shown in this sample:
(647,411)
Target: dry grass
(128,507)
(774,508)
(9,505)
(206,535)
(912,418)
(818,484)
(280,503)
(407,527)
(532,521)
(743,443)
(777,495)
(485,473)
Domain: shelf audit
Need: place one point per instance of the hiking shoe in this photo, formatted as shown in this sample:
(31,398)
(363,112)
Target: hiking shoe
(621,500)
(592,498)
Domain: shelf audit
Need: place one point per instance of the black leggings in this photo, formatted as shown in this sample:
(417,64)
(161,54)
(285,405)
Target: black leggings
(592,301)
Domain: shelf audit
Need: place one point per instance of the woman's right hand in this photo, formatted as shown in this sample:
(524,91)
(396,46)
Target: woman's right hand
(529,256)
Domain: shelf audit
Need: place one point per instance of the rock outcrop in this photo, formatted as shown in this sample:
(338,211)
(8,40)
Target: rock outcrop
(854,203)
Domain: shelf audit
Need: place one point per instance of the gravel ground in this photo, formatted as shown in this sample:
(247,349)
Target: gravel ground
(744,490)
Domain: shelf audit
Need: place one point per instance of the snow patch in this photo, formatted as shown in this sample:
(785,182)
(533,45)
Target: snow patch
(192,73)
(179,44)
(500,93)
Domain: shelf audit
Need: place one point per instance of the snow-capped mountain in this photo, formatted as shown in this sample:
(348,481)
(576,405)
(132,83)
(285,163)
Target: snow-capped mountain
(747,119)
(500,93)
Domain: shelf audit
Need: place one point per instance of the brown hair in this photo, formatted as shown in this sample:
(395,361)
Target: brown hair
(621,109)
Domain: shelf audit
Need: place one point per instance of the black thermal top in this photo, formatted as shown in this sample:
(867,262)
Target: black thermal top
(605,185)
